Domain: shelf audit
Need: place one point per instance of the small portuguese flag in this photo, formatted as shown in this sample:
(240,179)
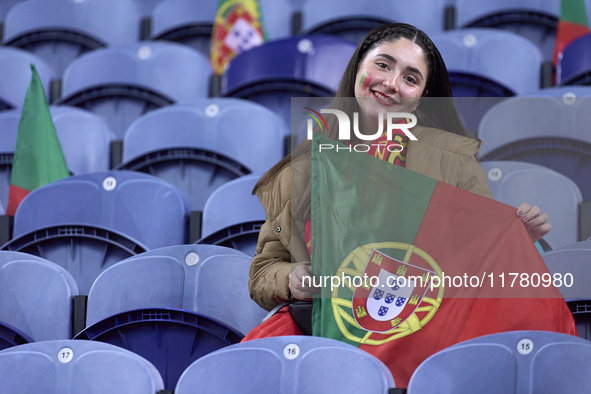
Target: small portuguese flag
(238,27)
(573,23)
(38,157)
(409,265)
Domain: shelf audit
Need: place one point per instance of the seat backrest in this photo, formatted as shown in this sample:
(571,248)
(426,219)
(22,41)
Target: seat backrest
(232,204)
(424,14)
(567,93)
(141,207)
(86,17)
(174,71)
(287,364)
(502,57)
(521,118)
(470,11)
(9,121)
(85,139)
(36,296)
(575,63)
(170,15)
(5,6)
(73,366)
(206,279)
(509,362)
(16,76)
(296,59)
(514,183)
(572,263)
(242,131)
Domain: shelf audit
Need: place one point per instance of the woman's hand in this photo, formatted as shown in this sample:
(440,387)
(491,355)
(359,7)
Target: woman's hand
(296,283)
(534,222)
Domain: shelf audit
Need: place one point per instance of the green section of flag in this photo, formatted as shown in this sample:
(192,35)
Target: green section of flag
(38,157)
(574,11)
(357,200)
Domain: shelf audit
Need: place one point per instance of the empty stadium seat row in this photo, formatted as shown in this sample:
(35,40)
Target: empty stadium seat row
(516,362)
(181,292)
(121,83)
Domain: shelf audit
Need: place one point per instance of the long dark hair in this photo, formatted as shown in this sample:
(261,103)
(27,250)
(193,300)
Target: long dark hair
(440,114)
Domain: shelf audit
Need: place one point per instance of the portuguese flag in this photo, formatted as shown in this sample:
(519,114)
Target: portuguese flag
(38,157)
(573,22)
(391,236)
(238,27)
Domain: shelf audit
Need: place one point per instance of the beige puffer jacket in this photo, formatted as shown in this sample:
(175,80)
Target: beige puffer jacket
(444,156)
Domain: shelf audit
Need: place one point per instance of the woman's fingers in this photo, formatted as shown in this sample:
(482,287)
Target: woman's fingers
(300,283)
(535,222)
(522,209)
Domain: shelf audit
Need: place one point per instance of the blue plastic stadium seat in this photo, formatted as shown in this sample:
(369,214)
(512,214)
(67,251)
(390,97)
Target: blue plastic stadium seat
(574,260)
(548,131)
(171,339)
(61,30)
(509,362)
(206,279)
(198,302)
(123,83)
(8,129)
(36,296)
(5,6)
(233,216)
(287,364)
(85,139)
(354,19)
(574,67)
(10,336)
(273,73)
(184,21)
(514,183)
(190,22)
(566,92)
(68,366)
(87,223)
(16,76)
(535,20)
(487,63)
(200,145)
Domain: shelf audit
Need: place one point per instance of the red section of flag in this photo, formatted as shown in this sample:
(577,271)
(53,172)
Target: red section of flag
(565,33)
(506,248)
(15,196)
(280,324)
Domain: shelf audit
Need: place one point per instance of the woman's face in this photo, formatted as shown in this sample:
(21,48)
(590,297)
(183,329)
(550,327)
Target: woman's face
(391,78)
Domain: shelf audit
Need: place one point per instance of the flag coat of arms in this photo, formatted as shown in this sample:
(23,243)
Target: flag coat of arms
(371,218)
(395,296)
(237,28)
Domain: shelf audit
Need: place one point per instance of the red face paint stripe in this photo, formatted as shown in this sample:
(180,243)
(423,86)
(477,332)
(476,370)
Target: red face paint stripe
(365,80)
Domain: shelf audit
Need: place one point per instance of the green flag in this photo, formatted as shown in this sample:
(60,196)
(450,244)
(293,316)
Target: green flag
(38,157)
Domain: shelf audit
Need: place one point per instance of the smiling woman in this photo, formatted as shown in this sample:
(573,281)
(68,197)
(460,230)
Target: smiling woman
(395,69)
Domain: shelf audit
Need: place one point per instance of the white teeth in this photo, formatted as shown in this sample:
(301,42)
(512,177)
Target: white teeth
(388,99)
